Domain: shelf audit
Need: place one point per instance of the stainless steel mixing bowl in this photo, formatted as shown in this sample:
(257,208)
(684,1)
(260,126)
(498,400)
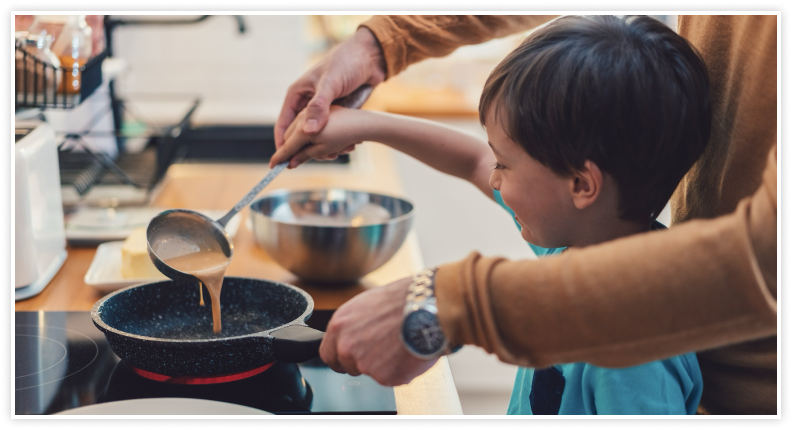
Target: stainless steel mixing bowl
(331,235)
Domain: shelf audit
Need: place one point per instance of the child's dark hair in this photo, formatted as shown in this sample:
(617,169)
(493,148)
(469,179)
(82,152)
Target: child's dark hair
(628,94)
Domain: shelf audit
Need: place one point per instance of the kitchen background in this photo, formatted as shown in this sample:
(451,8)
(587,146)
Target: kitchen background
(242,77)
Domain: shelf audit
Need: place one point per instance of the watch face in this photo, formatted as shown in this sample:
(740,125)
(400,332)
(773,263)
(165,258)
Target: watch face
(421,332)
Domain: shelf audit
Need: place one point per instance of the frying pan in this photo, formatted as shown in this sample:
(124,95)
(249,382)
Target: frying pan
(160,327)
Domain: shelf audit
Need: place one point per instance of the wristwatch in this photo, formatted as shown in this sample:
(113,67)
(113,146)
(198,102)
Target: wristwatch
(420,332)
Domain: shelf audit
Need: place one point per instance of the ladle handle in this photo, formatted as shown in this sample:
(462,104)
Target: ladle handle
(253,193)
(356,98)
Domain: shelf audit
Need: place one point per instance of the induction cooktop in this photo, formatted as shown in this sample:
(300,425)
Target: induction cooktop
(63,362)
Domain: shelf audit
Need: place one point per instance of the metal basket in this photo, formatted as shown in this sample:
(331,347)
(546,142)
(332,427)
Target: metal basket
(36,82)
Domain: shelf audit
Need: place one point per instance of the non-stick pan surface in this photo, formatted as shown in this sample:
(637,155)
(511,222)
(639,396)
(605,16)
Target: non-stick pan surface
(160,327)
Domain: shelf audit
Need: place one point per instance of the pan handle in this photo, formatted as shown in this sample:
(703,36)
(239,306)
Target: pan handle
(296,343)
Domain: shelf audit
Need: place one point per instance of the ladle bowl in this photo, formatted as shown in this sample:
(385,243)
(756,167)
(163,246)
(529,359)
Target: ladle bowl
(177,232)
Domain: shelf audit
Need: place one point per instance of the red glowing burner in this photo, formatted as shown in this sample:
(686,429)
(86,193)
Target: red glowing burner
(200,380)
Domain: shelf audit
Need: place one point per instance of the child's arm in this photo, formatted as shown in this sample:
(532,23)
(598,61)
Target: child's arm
(443,148)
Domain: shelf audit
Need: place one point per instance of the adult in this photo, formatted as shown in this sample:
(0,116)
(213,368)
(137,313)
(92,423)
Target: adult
(708,284)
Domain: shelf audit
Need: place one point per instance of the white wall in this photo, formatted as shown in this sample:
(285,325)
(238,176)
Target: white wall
(211,59)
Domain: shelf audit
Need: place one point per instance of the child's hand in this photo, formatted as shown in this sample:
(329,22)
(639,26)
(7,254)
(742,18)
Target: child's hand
(342,132)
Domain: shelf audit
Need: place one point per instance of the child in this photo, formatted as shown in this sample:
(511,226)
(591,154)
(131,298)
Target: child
(592,122)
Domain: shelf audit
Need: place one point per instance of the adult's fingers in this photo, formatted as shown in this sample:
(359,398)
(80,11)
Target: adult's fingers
(295,125)
(292,145)
(318,109)
(327,351)
(347,360)
(339,349)
(285,119)
(308,152)
(293,103)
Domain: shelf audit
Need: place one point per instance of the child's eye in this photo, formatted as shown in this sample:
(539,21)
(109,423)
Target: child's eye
(498,166)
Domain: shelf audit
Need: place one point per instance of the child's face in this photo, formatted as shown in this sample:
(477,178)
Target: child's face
(539,198)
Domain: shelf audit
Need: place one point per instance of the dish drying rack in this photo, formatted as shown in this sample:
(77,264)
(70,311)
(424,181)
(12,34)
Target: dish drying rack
(36,82)
(39,86)
(38,89)
(81,169)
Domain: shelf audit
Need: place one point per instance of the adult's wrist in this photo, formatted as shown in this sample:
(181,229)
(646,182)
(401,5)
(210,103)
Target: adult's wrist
(365,39)
(421,334)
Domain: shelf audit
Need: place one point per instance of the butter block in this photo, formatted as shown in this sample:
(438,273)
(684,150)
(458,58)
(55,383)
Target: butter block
(135,261)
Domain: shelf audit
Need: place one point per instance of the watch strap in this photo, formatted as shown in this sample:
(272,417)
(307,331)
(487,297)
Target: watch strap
(421,289)
(420,296)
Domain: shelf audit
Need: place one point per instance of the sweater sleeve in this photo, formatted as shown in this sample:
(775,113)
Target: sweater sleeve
(698,285)
(407,39)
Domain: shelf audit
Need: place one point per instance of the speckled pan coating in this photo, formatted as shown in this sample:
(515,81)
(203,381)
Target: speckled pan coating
(160,327)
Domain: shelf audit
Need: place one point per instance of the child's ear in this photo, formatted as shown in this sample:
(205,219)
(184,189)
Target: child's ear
(586,185)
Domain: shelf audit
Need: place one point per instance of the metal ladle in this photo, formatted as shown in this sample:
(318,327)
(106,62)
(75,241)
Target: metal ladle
(178,232)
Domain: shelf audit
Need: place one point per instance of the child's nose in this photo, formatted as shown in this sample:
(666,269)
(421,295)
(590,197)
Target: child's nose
(494,180)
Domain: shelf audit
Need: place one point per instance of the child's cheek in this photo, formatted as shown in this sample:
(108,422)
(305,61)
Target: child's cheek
(526,235)
(507,199)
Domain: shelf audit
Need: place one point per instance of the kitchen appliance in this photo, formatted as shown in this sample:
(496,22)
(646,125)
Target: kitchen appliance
(161,331)
(63,362)
(331,235)
(39,237)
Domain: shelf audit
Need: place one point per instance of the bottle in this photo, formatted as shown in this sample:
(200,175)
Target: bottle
(73,48)
(48,25)
(41,47)
(37,41)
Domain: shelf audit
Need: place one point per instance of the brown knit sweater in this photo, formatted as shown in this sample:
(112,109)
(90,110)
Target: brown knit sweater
(708,281)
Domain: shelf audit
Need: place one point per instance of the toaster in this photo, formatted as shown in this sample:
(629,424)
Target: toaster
(39,236)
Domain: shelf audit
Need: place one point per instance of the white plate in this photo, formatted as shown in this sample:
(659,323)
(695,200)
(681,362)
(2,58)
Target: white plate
(101,225)
(164,406)
(105,271)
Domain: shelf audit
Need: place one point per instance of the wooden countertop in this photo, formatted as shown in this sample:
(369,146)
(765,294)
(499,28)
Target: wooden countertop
(219,186)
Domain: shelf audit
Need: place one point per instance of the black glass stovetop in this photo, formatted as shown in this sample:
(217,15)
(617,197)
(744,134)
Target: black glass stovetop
(63,362)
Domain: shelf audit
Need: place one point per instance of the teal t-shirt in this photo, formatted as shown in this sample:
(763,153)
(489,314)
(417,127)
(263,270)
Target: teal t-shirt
(666,387)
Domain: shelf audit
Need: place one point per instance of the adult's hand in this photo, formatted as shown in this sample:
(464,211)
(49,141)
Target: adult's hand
(340,134)
(356,61)
(363,337)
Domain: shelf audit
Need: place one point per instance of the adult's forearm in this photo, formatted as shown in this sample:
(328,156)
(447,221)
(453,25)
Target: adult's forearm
(696,286)
(407,39)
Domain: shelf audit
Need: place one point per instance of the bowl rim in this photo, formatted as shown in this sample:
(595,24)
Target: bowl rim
(255,211)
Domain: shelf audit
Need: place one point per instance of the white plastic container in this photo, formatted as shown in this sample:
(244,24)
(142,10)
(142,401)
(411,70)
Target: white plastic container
(39,234)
